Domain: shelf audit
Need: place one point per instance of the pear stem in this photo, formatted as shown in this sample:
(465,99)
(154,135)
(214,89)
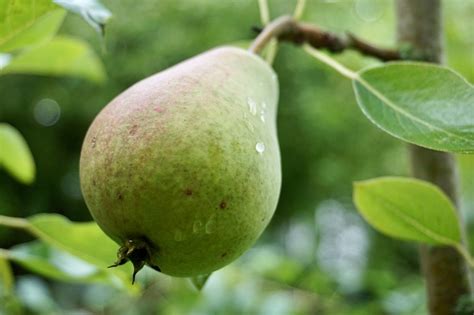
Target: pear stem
(287,28)
(275,29)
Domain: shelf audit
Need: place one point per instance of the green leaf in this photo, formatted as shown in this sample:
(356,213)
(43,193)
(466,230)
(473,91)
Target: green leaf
(42,30)
(15,156)
(45,260)
(18,17)
(92,11)
(424,104)
(199,281)
(6,276)
(409,209)
(9,304)
(62,56)
(83,240)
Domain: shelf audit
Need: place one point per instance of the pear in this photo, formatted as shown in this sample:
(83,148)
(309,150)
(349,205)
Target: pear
(182,169)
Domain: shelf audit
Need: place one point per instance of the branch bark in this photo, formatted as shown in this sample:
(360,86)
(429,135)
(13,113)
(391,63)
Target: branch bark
(419,24)
(285,28)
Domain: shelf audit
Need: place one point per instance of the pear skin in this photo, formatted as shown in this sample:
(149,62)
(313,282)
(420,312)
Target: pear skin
(182,169)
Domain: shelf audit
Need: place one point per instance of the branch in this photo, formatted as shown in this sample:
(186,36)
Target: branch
(285,28)
(13,222)
(447,279)
(367,49)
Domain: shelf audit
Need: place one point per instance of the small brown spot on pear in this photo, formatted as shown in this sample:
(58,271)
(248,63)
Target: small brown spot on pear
(133,130)
(159,109)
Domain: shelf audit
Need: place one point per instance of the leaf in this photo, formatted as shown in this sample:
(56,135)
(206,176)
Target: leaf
(84,240)
(19,16)
(15,156)
(424,104)
(199,281)
(45,260)
(42,30)
(6,276)
(62,56)
(9,304)
(409,209)
(92,11)
(4,59)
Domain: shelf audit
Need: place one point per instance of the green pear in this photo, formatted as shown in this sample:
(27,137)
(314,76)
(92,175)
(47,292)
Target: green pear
(182,169)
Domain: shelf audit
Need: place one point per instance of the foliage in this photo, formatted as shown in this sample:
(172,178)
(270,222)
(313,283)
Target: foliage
(27,34)
(26,23)
(408,209)
(16,157)
(92,11)
(325,259)
(420,103)
(91,248)
(59,56)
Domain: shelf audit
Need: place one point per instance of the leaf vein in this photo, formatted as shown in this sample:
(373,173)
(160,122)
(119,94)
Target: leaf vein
(392,207)
(403,112)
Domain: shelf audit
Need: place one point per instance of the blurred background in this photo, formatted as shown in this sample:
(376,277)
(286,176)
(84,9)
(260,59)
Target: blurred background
(318,255)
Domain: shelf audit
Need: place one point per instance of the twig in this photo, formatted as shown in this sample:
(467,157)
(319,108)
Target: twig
(273,30)
(300,5)
(369,50)
(264,12)
(286,28)
(330,62)
(13,222)
(265,19)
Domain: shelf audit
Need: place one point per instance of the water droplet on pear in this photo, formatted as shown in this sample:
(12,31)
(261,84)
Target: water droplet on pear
(260,147)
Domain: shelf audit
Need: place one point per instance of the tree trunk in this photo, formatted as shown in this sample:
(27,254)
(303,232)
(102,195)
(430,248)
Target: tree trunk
(419,24)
